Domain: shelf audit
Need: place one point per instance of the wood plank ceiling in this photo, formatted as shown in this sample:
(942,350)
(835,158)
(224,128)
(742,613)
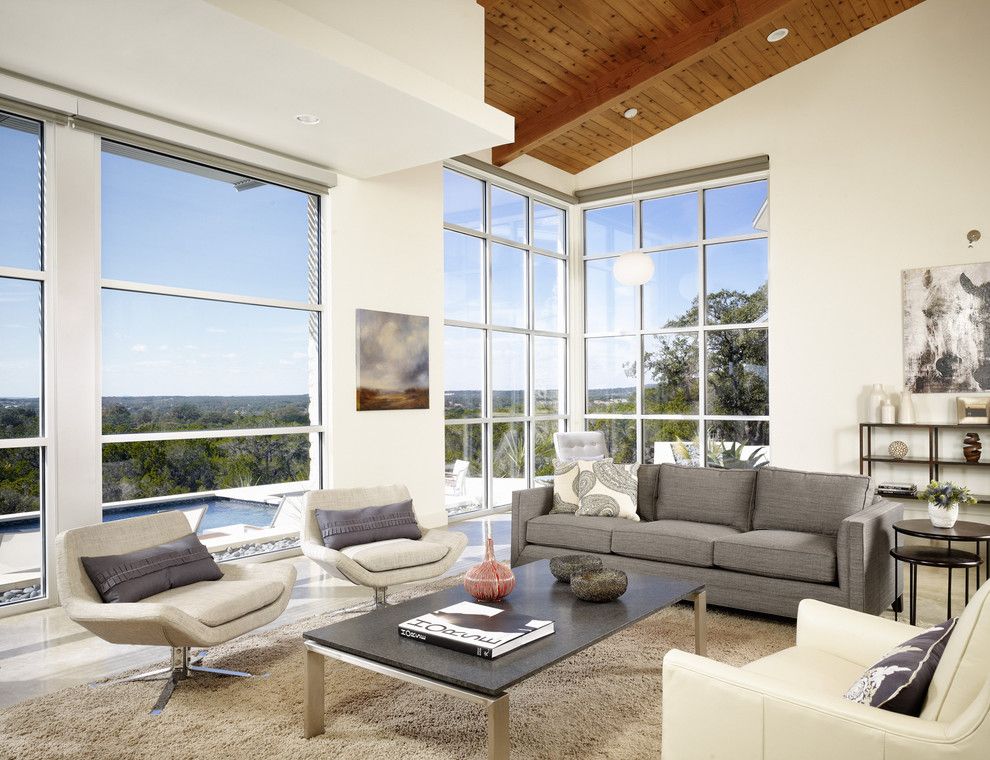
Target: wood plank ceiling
(567,69)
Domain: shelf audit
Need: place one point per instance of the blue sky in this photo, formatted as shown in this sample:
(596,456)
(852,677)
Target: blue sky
(168,227)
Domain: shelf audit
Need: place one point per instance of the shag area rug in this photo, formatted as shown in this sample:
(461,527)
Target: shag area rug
(601,703)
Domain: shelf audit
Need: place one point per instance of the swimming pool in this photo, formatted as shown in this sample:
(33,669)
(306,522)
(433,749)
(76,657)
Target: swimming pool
(220,511)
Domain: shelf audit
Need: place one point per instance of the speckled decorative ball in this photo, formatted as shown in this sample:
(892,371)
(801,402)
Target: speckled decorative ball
(599,585)
(898,449)
(564,567)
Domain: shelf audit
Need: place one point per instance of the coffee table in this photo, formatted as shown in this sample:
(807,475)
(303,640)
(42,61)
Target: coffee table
(372,641)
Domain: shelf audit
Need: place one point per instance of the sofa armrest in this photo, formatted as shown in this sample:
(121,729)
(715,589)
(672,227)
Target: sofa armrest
(527,504)
(866,569)
(851,635)
(715,711)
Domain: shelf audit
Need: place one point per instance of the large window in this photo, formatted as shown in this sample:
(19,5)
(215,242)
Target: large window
(505,340)
(676,370)
(23,427)
(210,350)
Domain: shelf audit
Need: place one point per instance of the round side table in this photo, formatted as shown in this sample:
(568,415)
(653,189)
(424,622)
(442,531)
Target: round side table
(933,556)
(962,532)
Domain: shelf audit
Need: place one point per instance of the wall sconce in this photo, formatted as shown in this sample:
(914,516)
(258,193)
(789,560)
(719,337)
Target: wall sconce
(972,236)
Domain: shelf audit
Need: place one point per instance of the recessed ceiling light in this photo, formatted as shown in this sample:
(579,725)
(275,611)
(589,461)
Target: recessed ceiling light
(777,35)
(308,118)
(630,113)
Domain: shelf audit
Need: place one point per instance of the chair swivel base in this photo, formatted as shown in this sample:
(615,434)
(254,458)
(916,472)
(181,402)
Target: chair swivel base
(183,666)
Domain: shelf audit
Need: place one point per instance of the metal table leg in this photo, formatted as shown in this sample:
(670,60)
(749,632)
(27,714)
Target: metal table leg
(314,705)
(913,577)
(700,623)
(948,601)
(498,728)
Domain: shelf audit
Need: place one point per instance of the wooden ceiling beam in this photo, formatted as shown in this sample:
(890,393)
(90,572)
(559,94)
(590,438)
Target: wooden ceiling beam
(733,21)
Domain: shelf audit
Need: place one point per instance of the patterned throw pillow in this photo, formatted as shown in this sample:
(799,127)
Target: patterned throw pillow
(571,480)
(899,681)
(613,491)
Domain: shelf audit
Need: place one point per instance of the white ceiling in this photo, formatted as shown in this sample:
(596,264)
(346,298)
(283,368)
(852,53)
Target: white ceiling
(245,68)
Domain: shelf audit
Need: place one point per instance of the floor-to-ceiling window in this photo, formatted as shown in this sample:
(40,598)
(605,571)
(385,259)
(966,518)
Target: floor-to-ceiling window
(23,427)
(676,369)
(210,341)
(505,338)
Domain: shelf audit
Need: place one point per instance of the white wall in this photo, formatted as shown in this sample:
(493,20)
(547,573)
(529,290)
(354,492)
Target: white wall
(879,162)
(386,253)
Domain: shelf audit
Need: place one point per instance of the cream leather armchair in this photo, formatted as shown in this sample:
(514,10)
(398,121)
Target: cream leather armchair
(790,705)
(383,563)
(199,615)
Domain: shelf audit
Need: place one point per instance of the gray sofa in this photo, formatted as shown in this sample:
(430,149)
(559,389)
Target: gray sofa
(759,540)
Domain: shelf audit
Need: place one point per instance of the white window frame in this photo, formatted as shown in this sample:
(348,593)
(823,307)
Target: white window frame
(701,330)
(488,327)
(319,430)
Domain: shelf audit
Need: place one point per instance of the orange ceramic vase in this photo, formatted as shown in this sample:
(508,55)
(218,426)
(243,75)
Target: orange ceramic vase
(491,580)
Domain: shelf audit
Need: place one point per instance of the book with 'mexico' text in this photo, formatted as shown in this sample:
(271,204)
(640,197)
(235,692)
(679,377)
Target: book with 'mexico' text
(476,629)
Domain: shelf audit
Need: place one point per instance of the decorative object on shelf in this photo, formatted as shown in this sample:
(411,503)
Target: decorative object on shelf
(564,567)
(633,267)
(905,411)
(877,397)
(897,449)
(393,361)
(972,447)
(972,237)
(888,414)
(941,352)
(975,411)
(943,500)
(490,580)
(599,585)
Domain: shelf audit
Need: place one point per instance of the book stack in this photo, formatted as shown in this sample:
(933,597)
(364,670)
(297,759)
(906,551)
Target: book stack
(901,490)
(476,629)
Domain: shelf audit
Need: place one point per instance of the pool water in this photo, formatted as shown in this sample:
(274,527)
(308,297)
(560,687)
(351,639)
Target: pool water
(220,511)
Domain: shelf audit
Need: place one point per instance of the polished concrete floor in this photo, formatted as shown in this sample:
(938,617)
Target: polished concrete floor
(44,651)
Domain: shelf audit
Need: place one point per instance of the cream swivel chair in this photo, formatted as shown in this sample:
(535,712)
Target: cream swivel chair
(791,705)
(383,563)
(202,614)
(580,445)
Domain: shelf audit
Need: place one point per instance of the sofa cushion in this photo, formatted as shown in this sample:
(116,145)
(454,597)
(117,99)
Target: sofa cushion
(646,498)
(684,543)
(812,669)
(395,554)
(718,497)
(140,574)
(612,493)
(808,502)
(588,534)
(217,603)
(779,554)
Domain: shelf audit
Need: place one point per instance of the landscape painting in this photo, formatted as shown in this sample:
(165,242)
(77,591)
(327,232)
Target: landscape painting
(947,328)
(393,361)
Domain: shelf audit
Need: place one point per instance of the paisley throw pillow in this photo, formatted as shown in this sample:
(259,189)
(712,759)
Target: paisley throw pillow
(613,491)
(571,481)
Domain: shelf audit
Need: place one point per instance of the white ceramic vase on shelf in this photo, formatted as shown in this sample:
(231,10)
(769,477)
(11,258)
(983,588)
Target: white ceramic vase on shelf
(905,413)
(877,397)
(888,414)
(943,517)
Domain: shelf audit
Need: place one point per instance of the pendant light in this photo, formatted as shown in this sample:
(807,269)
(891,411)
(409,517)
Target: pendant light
(634,267)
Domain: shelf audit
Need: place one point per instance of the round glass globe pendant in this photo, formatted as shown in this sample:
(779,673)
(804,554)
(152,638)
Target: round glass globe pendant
(634,267)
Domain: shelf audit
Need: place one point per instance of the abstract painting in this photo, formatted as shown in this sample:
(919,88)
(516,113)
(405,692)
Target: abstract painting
(947,329)
(393,361)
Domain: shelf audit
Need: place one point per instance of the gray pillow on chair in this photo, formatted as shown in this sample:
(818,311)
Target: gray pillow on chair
(348,527)
(139,574)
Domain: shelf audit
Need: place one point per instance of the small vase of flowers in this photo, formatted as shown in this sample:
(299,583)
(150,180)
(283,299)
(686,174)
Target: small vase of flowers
(943,502)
